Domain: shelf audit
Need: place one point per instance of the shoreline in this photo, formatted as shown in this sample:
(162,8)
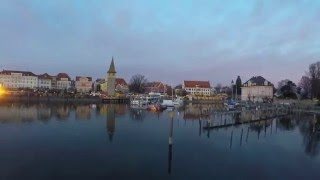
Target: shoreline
(50,99)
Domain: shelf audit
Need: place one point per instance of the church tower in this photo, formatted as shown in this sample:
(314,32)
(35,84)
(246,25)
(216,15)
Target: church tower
(111,79)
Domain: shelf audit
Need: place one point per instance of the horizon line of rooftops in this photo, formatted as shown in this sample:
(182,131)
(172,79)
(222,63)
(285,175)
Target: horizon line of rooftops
(254,80)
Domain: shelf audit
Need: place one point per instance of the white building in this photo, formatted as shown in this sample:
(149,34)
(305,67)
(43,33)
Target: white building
(256,89)
(18,79)
(197,87)
(44,81)
(83,84)
(63,81)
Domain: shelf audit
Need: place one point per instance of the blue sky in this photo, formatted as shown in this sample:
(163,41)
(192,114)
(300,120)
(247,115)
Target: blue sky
(165,40)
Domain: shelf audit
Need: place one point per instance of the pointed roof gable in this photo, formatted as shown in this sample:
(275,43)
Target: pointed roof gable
(44,76)
(112,68)
(257,81)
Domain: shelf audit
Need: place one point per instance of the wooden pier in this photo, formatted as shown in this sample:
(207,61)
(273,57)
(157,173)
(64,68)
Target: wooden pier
(115,100)
(233,118)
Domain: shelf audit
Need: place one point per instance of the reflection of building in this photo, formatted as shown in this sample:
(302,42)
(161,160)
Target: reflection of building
(83,112)
(256,89)
(197,87)
(18,79)
(18,113)
(62,112)
(44,113)
(196,112)
(83,84)
(111,121)
(63,81)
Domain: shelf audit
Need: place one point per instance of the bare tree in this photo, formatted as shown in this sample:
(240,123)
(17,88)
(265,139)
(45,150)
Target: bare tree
(218,88)
(305,85)
(137,83)
(314,72)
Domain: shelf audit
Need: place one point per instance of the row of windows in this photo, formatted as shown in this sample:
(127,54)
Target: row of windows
(28,82)
(195,89)
(20,86)
(24,78)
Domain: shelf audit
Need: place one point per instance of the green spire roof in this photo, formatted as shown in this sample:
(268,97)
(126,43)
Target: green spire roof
(112,69)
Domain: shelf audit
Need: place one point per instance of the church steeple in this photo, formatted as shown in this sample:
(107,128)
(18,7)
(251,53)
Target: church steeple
(112,68)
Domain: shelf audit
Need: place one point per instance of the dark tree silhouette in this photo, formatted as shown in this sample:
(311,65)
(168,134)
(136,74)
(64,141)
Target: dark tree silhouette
(305,87)
(137,83)
(238,85)
(314,73)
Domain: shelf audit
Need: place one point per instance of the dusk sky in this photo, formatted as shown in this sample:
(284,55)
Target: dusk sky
(165,40)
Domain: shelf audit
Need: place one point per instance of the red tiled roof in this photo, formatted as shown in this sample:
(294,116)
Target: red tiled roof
(199,84)
(24,73)
(63,75)
(78,78)
(153,84)
(120,81)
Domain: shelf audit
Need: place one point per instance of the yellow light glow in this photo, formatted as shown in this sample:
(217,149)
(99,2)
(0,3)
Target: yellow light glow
(2,91)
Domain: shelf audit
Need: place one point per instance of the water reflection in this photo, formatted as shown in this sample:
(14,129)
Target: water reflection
(239,135)
(111,122)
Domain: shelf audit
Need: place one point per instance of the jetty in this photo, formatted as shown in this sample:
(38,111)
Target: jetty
(222,119)
(115,100)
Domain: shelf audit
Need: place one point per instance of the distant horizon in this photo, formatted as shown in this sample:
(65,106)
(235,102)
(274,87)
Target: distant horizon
(168,41)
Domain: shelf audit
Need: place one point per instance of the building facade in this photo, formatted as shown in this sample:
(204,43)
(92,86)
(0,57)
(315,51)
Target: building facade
(156,87)
(44,81)
(18,79)
(83,84)
(63,81)
(257,89)
(121,85)
(197,87)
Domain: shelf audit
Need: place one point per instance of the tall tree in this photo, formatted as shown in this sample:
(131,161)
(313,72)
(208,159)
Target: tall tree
(305,86)
(287,89)
(218,88)
(137,83)
(314,72)
(238,85)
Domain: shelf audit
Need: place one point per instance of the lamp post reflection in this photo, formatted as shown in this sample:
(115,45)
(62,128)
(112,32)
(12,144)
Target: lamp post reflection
(170,143)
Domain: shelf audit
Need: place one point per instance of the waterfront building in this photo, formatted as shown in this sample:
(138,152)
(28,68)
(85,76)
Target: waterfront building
(197,87)
(18,79)
(44,81)
(256,89)
(121,85)
(156,87)
(97,84)
(83,84)
(63,81)
(54,82)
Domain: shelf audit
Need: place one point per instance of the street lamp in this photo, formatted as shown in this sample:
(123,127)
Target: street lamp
(232,83)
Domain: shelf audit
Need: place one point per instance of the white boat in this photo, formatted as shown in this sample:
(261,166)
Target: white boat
(139,101)
(173,103)
(168,103)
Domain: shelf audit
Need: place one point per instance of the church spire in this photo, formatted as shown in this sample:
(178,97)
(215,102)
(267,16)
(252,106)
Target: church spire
(112,69)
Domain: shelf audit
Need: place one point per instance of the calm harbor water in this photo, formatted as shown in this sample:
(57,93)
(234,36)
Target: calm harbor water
(57,141)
